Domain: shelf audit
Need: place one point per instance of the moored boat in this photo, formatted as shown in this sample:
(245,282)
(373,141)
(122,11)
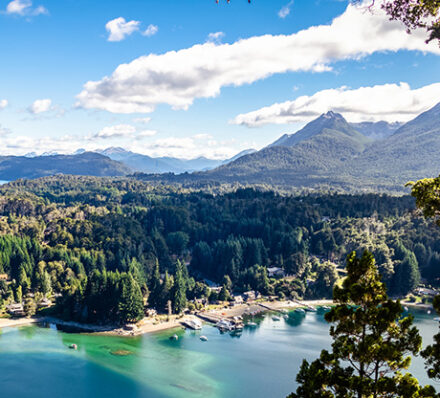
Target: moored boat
(192,323)
(225,325)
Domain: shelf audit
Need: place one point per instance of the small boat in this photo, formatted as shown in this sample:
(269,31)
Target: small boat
(428,312)
(300,311)
(251,324)
(310,309)
(284,311)
(203,338)
(192,323)
(238,326)
(224,324)
(276,318)
(406,309)
(73,346)
(437,319)
(174,337)
(326,308)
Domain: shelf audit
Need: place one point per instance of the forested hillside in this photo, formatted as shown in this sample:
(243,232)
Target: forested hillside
(87,163)
(109,246)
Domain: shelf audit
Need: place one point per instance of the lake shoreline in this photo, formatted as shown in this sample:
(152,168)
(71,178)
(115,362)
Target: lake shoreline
(163,323)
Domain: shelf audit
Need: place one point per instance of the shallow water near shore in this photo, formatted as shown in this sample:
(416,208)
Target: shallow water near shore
(261,362)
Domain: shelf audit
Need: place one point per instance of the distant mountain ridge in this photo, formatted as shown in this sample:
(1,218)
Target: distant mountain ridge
(147,164)
(331,153)
(87,163)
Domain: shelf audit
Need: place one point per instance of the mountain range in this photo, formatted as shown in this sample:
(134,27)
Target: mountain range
(87,163)
(331,153)
(110,162)
(327,153)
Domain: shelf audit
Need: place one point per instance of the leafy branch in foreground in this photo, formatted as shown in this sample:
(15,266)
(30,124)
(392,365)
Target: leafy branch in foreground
(371,345)
(427,194)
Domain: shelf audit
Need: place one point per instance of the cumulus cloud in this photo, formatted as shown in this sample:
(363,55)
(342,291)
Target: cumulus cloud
(215,37)
(122,131)
(178,77)
(3,104)
(117,131)
(285,11)
(24,8)
(193,147)
(119,28)
(151,30)
(389,102)
(40,106)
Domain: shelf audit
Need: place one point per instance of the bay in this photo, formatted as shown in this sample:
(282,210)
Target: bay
(261,362)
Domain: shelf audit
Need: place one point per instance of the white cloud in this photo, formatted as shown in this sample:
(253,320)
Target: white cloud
(117,131)
(389,102)
(40,106)
(24,8)
(179,77)
(145,133)
(122,131)
(285,11)
(215,37)
(191,147)
(186,147)
(3,104)
(142,120)
(151,30)
(119,28)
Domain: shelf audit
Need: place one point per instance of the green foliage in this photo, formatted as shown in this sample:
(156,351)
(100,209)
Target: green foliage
(79,237)
(131,307)
(417,14)
(30,308)
(432,352)
(179,292)
(371,342)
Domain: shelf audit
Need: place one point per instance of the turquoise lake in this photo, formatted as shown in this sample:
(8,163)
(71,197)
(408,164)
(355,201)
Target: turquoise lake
(262,362)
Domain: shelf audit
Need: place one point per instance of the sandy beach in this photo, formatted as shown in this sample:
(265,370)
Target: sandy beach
(6,322)
(163,322)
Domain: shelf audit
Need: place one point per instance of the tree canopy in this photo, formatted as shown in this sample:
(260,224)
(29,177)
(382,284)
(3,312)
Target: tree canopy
(371,342)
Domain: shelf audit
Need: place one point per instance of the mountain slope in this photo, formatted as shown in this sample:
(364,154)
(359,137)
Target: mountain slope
(376,130)
(88,163)
(328,121)
(324,144)
(412,152)
(147,164)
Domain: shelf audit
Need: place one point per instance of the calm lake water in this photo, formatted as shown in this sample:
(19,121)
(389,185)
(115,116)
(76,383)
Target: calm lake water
(262,362)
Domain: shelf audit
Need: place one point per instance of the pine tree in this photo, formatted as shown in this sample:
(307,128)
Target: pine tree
(179,291)
(155,288)
(371,343)
(131,307)
(432,352)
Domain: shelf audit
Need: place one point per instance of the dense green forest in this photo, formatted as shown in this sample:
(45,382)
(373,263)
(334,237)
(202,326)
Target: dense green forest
(108,247)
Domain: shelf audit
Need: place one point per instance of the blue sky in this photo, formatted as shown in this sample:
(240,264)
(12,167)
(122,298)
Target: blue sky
(208,79)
